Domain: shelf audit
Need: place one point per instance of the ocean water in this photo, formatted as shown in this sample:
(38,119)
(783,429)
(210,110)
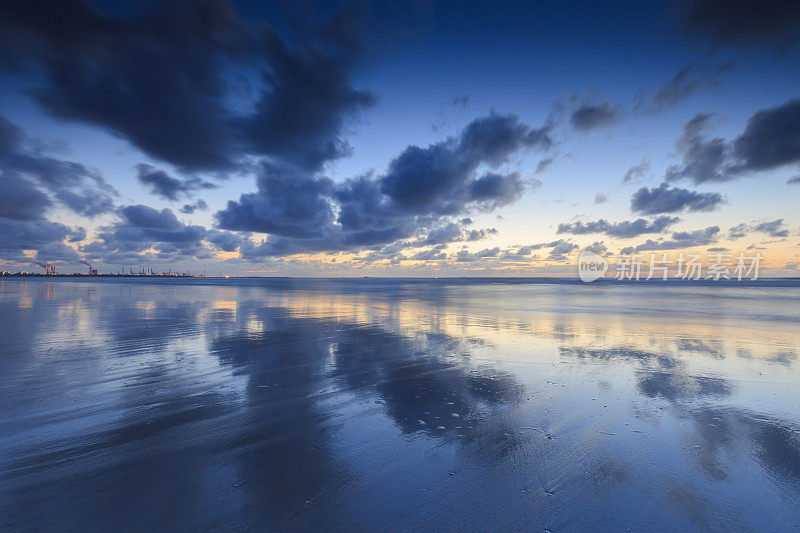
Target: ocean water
(395,405)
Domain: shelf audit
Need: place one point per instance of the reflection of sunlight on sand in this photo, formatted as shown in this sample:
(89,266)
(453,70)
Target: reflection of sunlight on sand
(552,319)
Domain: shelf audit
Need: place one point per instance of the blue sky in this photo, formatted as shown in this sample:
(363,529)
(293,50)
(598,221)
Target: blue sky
(375,81)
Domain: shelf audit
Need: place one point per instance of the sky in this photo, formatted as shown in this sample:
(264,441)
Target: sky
(428,139)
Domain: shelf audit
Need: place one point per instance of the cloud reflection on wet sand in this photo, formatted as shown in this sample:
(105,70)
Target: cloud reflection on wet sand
(557,407)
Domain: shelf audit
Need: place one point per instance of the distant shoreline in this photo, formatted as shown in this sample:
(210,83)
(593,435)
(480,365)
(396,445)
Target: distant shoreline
(763,281)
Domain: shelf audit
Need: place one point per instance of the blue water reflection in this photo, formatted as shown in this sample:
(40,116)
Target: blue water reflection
(275,404)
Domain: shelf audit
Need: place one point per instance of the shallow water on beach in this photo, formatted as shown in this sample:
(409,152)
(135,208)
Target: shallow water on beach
(398,405)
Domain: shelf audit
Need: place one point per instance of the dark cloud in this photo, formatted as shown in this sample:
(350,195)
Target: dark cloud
(77,234)
(496,190)
(439,178)
(558,250)
(738,231)
(74,185)
(28,179)
(703,158)
(795,180)
(306,98)
(154,79)
(433,254)
(743,22)
(666,199)
(636,171)
(168,187)
(224,240)
(770,140)
(11,136)
(591,116)
(144,229)
(459,101)
(774,228)
(21,199)
(600,198)
(31,177)
(142,216)
(680,239)
(624,230)
(452,232)
(597,247)
(696,75)
(44,236)
(544,164)
(465,256)
(480,234)
(188,209)
(423,190)
(289,203)
(561,249)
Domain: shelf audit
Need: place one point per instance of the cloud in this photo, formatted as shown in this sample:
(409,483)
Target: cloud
(637,171)
(11,136)
(681,239)
(44,236)
(438,178)
(770,140)
(745,23)
(544,164)
(143,231)
(37,177)
(696,75)
(77,234)
(166,186)
(224,240)
(289,203)
(703,159)
(465,256)
(666,199)
(161,88)
(597,247)
(561,249)
(306,98)
(738,231)
(21,199)
(794,180)
(592,116)
(433,254)
(188,209)
(422,190)
(600,198)
(459,101)
(624,230)
(452,232)
(773,228)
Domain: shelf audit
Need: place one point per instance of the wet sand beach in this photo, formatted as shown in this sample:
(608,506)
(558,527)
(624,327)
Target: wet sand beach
(398,405)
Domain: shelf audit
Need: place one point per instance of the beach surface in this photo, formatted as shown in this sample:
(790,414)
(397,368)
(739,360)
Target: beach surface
(398,405)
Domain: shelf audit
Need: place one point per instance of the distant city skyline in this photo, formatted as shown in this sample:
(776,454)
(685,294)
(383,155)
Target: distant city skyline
(431,139)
